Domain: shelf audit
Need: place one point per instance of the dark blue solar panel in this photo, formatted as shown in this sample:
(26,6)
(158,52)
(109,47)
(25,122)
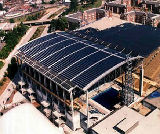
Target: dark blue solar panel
(53,49)
(77,38)
(73,58)
(70,56)
(141,39)
(82,65)
(51,60)
(96,71)
(44,45)
(37,41)
(98,46)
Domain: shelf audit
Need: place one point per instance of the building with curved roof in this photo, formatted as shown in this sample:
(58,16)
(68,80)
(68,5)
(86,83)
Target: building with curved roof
(26,119)
(64,66)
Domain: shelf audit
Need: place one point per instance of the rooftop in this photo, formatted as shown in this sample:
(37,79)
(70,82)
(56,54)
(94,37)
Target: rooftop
(121,120)
(140,39)
(71,61)
(26,119)
(149,125)
(105,23)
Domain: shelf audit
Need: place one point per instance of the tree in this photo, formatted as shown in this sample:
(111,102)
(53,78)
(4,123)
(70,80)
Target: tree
(93,1)
(62,24)
(52,2)
(73,5)
(1,7)
(12,68)
(158,25)
(2,33)
(11,20)
(58,24)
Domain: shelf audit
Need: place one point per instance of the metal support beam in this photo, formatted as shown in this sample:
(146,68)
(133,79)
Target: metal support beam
(87,109)
(141,80)
(127,91)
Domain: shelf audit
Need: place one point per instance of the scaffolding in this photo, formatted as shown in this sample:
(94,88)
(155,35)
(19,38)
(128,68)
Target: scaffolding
(127,90)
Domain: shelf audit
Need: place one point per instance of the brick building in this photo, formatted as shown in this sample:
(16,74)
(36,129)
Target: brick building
(153,6)
(86,17)
(142,17)
(121,6)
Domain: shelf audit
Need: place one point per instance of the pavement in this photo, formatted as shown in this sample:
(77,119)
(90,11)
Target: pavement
(6,94)
(24,40)
(45,30)
(45,17)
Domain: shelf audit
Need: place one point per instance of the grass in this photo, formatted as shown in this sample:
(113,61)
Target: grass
(84,7)
(2,81)
(29,17)
(89,5)
(1,64)
(38,32)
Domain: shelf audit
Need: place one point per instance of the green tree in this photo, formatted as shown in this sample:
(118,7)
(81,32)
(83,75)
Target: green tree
(11,39)
(52,2)
(73,26)
(11,21)
(62,24)
(158,25)
(93,1)
(2,33)
(73,5)
(1,7)
(12,68)
(58,24)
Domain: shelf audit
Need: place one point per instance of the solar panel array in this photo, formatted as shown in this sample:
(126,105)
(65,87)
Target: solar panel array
(140,39)
(69,60)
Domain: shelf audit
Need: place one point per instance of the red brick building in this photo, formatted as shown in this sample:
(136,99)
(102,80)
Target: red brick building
(121,6)
(86,17)
(142,17)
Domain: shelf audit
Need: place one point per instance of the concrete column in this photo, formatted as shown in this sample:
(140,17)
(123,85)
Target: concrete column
(34,74)
(21,63)
(71,99)
(118,10)
(64,96)
(29,70)
(141,80)
(50,85)
(87,109)
(45,84)
(57,94)
(40,80)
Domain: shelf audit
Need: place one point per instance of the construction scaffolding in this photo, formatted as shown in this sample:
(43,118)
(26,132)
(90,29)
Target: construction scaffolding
(127,90)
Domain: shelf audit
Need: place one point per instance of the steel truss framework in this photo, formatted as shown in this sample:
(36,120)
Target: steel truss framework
(109,63)
(127,91)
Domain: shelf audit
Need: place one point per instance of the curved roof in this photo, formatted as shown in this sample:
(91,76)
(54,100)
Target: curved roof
(140,39)
(26,119)
(71,61)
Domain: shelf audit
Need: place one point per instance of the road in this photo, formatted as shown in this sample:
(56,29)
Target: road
(45,17)
(24,40)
